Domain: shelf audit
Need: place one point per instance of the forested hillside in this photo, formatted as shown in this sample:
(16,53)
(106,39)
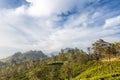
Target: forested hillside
(101,61)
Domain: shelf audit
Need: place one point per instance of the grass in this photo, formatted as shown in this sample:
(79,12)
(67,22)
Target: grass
(101,71)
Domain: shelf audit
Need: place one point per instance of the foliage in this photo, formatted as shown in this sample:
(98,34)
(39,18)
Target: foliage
(69,64)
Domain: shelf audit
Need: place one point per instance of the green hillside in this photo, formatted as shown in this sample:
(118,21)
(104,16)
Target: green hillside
(94,71)
(101,71)
(100,62)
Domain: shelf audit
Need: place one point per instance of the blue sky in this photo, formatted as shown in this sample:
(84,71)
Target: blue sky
(50,25)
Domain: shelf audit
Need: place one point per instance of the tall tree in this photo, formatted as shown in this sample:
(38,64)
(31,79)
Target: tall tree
(99,48)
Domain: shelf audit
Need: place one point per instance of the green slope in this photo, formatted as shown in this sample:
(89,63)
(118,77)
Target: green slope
(101,71)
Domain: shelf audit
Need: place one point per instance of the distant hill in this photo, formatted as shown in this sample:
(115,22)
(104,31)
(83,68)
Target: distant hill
(21,57)
(2,63)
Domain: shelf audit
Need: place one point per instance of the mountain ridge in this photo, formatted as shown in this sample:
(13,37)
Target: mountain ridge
(26,56)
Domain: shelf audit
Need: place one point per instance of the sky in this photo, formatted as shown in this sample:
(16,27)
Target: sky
(50,25)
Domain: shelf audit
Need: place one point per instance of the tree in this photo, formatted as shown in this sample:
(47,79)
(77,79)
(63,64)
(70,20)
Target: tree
(99,48)
(117,48)
(89,50)
(108,52)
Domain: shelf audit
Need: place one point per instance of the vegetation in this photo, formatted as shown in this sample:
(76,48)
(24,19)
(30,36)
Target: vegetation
(100,62)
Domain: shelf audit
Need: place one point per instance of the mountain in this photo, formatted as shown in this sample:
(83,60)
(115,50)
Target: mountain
(33,55)
(26,56)
(2,63)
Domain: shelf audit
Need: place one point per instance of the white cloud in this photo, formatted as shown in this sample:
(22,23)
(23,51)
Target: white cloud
(77,21)
(39,27)
(112,22)
(96,15)
(47,8)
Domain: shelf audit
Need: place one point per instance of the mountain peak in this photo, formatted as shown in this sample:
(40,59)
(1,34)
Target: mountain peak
(26,56)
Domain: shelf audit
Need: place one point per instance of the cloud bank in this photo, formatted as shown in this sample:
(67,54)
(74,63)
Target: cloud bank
(51,25)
